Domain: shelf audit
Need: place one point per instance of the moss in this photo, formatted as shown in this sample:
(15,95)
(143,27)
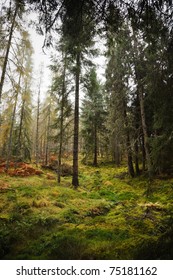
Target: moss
(108,217)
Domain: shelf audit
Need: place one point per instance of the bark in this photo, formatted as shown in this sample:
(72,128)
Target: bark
(143,154)
(19,144)
(62,121)
(20,128)
(75,180)
(95,144)
(128,144)
(142,109)
(116,151)
(47,138)
(37,128)
(137,158)
(7,52)
(145,133)
(12,125)
(137,128)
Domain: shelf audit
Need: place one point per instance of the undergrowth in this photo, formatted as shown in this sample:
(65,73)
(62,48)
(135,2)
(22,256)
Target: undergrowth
(108,217)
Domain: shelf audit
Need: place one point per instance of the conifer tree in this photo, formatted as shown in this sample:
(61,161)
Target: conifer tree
(13,12)
(60,91)
(93,115)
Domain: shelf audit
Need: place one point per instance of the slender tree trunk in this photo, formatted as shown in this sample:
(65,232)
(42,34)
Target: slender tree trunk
(19,142)
(137,158)
(128,144)
(61,130)
(75,180)
(47,138)
(117,152)
(12,125)
(19,145)
(37,129)
(95,144)
(136,145)
(141,103)
(4,67)
(143,153)
(145,133)
(62,121)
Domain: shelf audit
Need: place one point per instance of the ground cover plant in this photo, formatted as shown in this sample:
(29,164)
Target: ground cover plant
(110,216)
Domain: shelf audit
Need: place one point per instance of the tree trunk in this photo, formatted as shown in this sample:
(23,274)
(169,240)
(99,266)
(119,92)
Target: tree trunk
(19,144)
(128,144)
(47,138)
(20,128)
(137,121)
(62,119)
(7,54)
(116,152)
(12,125)
(137,158)
(95,144)
(145,133)
(37,129)
(141,103)
(143,153)
(75,180)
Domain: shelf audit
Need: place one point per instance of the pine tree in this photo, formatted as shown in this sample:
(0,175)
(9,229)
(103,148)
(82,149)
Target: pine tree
(92,116)
(37,136)
(118,89)
(23,55)
(78,31)
(18,8)
(60,90)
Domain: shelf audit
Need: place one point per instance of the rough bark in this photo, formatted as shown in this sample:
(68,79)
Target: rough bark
(75,180)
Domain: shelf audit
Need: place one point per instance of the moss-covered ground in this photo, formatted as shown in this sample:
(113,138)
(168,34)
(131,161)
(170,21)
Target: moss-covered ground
(110,216)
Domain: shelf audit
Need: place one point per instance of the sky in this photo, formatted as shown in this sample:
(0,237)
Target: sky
(40,60)
(41,57)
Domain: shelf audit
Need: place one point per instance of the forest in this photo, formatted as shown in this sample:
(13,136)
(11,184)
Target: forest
(86,167)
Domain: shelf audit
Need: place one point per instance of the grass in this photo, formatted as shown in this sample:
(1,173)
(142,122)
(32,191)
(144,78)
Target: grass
(108,217)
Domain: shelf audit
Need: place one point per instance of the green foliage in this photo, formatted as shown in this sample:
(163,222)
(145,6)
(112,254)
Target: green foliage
(93,116)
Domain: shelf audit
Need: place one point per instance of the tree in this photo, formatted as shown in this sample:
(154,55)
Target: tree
(78,31)
(93,115)
(18,8)
(23,55)
(118,88)
(37,154)
(23,145)
(157,88)
(60,90)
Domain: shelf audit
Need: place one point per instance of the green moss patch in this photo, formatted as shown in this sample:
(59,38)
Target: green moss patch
(110,216)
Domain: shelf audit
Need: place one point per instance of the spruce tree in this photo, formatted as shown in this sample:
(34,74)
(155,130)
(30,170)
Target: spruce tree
(92,116)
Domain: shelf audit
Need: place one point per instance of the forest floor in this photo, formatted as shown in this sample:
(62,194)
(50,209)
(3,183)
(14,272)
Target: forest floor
(110,216)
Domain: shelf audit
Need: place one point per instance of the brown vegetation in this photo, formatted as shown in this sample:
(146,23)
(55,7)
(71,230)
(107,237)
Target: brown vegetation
(19,169)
